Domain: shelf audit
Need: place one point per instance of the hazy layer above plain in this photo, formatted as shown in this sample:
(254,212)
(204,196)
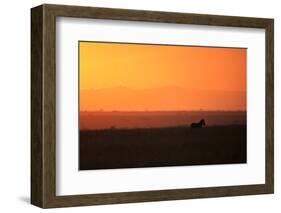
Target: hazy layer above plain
(157,119)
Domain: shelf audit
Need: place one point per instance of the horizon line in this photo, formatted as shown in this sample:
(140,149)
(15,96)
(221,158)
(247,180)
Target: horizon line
(219,110)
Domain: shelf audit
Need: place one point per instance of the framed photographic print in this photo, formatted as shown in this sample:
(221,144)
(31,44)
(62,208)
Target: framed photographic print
(135,106)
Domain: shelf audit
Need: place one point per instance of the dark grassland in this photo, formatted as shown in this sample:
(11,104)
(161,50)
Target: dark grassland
(155,147)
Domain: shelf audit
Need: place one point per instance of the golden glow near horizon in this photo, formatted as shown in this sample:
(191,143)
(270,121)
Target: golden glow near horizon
(142,66)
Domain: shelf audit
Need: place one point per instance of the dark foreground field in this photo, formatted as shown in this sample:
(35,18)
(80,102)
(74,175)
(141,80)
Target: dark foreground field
(178,146)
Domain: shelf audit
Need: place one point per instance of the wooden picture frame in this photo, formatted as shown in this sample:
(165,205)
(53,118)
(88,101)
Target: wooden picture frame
(43,105)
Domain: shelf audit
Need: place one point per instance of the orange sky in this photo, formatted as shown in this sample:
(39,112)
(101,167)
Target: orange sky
(137,66)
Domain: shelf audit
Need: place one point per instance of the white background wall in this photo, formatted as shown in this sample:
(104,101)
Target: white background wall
(15,105)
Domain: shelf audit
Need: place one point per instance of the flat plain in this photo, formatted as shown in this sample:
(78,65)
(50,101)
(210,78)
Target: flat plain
(166,146)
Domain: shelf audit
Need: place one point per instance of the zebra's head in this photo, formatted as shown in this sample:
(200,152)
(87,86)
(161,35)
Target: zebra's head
(202,121)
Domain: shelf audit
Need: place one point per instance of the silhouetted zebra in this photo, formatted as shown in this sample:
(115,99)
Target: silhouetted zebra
(199,124)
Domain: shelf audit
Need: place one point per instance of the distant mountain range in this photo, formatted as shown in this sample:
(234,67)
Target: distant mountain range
(164,98)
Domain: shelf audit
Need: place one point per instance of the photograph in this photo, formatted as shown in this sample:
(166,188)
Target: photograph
(158,105)
(140,105)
